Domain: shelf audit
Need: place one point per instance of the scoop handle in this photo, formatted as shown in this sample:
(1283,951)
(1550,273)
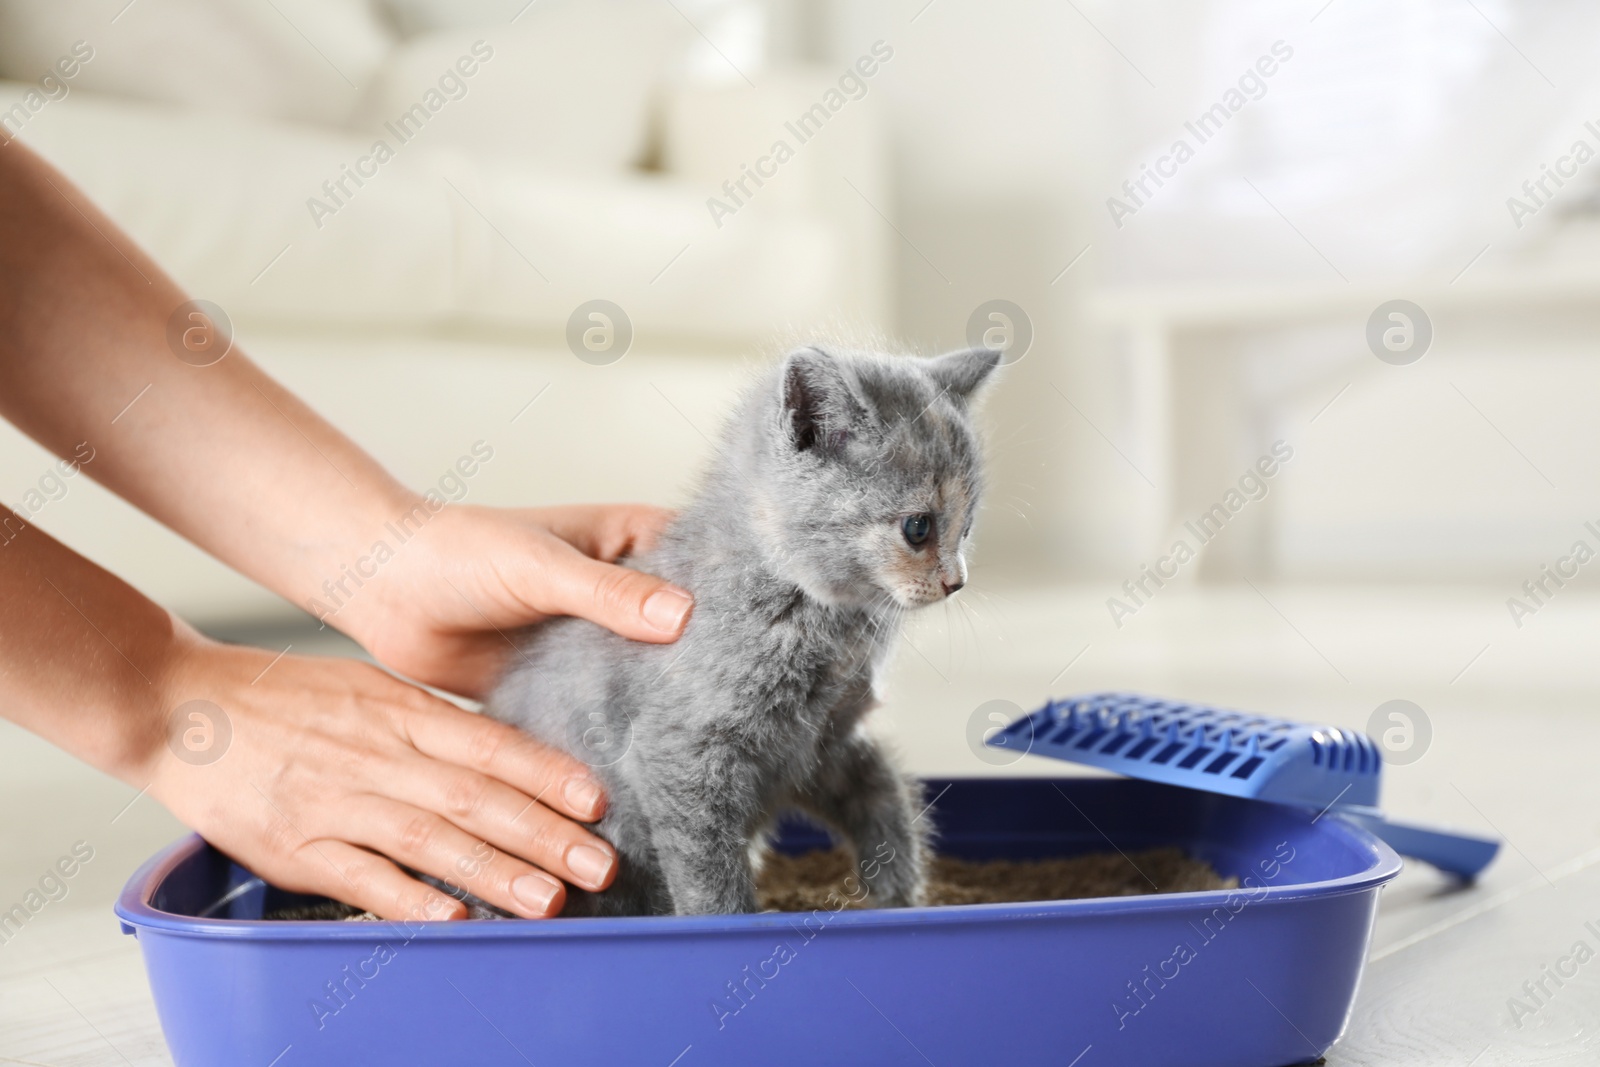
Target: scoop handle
(1462,855)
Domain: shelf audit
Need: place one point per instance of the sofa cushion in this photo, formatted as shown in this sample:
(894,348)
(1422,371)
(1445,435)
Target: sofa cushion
(434,237)
(570,86)
(309,60)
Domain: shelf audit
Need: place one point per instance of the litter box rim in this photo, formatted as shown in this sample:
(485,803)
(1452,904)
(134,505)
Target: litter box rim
(135,910)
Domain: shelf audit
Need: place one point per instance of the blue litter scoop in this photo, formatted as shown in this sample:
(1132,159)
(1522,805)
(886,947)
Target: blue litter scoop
(1241,754)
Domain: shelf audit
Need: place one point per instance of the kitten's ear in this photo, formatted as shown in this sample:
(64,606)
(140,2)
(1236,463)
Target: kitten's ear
(820,409)
(960,373)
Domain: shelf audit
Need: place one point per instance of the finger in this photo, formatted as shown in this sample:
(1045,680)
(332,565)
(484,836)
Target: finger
(363,880)
(479,743)
(645,525)
(627,602)
(494,812)
(435,846)
(608,531)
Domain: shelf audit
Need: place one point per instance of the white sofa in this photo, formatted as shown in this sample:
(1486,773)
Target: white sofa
(424,307)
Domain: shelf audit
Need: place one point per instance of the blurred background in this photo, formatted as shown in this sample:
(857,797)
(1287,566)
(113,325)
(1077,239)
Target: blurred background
(1353,242)
(1176,326)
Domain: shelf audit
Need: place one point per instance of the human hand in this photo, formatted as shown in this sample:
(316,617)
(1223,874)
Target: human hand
(333,765)
(232,461)
(442,610)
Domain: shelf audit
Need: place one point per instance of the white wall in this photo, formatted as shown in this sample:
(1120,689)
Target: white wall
(1379,154)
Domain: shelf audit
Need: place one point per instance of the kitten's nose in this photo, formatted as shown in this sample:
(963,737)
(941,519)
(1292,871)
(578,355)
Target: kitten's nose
(950,588)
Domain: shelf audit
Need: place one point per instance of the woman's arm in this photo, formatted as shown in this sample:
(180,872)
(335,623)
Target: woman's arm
(235,463)
(308,771)
(330,766)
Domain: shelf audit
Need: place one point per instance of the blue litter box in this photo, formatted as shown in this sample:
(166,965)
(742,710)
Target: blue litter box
(1261,976)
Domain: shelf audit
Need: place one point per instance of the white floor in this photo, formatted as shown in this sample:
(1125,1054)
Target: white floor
(1515,741)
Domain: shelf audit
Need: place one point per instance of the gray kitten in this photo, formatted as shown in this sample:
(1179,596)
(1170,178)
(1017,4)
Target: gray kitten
(842,494)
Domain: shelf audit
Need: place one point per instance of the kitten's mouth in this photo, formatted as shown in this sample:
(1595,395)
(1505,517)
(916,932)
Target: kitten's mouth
(919,597)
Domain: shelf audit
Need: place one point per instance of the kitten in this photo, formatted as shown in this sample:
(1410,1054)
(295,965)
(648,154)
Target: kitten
(842,495)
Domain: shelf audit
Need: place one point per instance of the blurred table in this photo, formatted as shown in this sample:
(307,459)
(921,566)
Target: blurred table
(1190,408)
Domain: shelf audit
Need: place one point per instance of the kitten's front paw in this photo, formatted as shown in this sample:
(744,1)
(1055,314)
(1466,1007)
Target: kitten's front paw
(730,901)
(899,881)
(911,897)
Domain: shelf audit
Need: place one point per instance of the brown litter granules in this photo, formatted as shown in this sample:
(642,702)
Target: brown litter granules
(324,911)
(814,880)
(806,882)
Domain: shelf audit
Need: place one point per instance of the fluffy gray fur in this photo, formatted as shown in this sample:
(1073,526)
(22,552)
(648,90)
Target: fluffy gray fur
(795,551)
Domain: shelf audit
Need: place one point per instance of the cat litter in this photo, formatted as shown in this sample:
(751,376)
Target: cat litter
(1266,971)
(806,881)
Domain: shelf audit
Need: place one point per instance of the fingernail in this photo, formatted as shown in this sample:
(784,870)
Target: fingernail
(582,794)
(535,892)
(666,609)
(443,908)
(589,865)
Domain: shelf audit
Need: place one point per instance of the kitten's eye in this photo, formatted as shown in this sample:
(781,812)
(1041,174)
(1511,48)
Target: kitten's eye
(916,528)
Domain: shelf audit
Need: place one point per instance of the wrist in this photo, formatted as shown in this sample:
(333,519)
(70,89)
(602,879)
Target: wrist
(350,581)
(138,739)
(368,589)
